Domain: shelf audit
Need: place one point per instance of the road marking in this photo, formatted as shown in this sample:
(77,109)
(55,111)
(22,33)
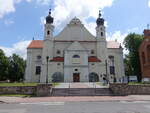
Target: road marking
(145,102)
(44,103)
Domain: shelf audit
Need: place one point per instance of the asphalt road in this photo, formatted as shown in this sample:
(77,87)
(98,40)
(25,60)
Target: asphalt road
(78,107)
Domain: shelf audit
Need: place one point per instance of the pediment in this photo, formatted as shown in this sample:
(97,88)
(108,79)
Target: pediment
(75,31)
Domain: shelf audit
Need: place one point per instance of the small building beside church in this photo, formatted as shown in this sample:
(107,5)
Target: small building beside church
(74,55)
(144,53)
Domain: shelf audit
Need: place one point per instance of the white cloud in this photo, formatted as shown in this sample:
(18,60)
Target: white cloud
(65,10)
(43,2)
(149,3)
(18,48)
(6,6)
(117,35)
(43,21)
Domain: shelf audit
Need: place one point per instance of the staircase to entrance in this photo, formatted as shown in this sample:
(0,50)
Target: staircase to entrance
(81,89)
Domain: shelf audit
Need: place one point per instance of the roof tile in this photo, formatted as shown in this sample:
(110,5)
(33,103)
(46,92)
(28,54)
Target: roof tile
(36,44)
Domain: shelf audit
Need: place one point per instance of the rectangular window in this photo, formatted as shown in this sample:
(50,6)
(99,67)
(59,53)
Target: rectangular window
(38,70)
(112,70)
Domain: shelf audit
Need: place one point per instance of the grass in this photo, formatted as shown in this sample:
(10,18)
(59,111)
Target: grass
(55,84)
(139,83)
(23,84)
(18,84)
(15,95)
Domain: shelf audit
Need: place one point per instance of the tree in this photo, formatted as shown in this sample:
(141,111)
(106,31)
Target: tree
(132,61)
(16,68)
(3,66)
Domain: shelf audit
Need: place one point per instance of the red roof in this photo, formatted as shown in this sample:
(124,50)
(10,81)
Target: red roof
(36,44)
(57,59)
(39,44)
(113,44)
(61,59)
(93,59)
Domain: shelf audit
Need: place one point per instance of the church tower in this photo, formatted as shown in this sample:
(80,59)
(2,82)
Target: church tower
(101,43)
(100,28)
(101,39)
(48,43)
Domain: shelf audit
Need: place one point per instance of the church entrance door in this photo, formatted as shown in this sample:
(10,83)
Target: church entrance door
(76,77)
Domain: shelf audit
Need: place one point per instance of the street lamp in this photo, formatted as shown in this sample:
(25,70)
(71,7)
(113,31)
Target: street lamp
(106,66)
(47,57)
(106,70)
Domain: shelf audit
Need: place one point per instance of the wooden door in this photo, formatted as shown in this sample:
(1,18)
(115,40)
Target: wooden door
(76,77)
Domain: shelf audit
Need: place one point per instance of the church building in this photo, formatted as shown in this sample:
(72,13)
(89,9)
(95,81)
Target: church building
(144,53)
(74,55)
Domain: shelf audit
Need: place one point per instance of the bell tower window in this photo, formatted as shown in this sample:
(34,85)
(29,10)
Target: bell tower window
(102,34)
(48,32)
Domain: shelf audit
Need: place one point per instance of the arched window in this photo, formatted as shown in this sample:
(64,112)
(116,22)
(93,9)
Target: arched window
(76,56)
(58,77)
(76,59)
(48,32)
(148,53)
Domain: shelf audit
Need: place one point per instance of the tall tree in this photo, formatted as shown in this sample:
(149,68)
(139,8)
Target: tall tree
(16,68)
(3,66)
(132,61)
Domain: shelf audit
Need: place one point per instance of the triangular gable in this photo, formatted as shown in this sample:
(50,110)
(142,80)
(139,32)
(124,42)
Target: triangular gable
(76,31)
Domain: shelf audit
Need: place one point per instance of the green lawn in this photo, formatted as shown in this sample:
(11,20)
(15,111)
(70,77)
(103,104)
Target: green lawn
(15,95)
(22,84)
(18,84)
(138,83)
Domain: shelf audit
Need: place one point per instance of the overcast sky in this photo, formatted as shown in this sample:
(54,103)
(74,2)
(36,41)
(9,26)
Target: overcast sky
(21,20)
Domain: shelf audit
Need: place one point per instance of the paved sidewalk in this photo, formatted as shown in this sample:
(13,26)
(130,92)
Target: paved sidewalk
(75,99)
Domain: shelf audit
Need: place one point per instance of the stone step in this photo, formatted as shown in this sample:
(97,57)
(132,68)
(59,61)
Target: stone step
(81,92)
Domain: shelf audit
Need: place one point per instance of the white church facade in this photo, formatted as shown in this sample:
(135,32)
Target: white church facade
(74,55)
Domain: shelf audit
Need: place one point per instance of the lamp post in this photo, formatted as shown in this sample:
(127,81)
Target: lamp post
(47,57)
(106,70)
